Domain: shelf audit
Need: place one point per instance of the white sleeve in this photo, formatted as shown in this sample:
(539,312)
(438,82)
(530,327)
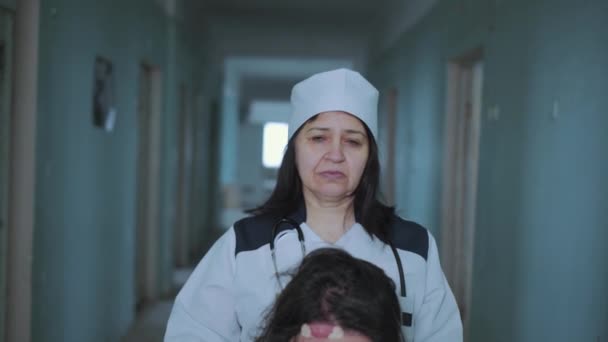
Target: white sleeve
(439,318)
(204,309)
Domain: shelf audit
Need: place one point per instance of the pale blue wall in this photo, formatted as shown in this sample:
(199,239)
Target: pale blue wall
(541,261)
(83,288)
(415,69)
(230,126)
(251,175)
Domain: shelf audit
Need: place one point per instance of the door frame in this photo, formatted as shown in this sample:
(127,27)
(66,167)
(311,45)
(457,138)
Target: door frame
(22,171)
(181,233)
(6,51)
(148,185)
(460,174)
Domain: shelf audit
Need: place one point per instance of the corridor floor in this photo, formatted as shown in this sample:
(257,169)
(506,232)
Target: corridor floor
(149,326)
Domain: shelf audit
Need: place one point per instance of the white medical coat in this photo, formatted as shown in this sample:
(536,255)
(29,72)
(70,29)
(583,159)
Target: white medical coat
(227,295)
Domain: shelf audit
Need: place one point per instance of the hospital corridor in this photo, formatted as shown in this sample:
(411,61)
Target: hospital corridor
(134,134)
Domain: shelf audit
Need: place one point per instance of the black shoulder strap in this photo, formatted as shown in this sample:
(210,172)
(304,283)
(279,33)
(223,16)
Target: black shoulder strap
(256,231)
(409,236)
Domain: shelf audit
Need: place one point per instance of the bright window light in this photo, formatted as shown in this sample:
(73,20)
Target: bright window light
(275,140)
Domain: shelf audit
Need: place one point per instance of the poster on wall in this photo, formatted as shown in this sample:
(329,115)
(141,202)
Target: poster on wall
(104,112)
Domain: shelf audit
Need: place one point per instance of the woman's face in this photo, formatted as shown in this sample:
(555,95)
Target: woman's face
(331,153)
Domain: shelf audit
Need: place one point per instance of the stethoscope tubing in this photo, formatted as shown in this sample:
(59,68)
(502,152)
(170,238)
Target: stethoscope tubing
(296,226)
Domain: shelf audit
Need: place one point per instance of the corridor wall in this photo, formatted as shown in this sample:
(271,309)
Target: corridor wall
(540,248)
(84,242)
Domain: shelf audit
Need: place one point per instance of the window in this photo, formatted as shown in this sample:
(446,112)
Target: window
(275,140)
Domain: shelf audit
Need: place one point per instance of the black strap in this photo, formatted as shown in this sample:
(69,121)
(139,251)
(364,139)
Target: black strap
(401,273)
(406,319)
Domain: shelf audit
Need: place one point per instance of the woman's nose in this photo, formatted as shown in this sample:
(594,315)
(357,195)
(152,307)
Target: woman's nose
(335,153)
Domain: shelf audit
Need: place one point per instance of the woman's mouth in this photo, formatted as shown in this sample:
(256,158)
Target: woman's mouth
(332,174)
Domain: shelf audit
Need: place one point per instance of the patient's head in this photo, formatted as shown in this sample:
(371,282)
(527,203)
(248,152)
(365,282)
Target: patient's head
(334,296)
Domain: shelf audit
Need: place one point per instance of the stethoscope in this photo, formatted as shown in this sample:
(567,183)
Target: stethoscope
(406,318)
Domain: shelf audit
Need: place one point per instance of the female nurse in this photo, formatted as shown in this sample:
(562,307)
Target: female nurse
(326,196)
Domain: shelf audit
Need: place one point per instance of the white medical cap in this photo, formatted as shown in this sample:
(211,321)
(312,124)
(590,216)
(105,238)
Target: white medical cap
(337,90)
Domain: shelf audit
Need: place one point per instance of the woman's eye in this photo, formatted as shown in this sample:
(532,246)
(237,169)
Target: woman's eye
(353,142)
(317,138)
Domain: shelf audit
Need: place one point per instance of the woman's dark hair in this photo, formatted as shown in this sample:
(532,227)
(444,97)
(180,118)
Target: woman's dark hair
(332,286)
(370,212)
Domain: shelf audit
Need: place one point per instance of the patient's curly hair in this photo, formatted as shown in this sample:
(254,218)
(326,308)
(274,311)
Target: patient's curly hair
(332,286)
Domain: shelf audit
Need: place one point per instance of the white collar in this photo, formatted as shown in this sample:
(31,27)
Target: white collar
(355,240)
